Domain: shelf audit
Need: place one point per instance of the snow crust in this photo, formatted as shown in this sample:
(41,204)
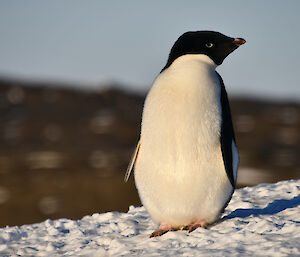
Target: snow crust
(259,221)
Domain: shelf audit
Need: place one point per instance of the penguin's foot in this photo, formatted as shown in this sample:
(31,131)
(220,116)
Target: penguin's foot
(163,229)
(194,226)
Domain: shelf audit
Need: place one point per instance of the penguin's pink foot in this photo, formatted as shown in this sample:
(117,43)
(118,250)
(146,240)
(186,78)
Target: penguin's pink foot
(194,226)
(163,229)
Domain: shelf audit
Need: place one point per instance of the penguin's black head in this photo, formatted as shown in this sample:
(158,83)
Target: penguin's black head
(213,44)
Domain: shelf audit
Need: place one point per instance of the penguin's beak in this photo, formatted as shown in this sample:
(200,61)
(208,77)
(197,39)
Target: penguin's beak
(239,41)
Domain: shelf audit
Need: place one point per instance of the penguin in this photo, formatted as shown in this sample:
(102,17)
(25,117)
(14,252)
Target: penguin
(186,160)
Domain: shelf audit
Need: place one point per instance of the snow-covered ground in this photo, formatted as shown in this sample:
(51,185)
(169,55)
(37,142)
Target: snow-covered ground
(259,221)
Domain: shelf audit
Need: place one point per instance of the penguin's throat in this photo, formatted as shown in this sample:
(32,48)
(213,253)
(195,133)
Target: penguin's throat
(195,60)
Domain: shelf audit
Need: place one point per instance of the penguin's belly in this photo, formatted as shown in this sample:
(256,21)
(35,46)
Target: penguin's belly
(179,171)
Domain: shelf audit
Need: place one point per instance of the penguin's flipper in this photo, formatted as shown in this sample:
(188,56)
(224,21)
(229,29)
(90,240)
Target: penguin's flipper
(132,161)
(227,138)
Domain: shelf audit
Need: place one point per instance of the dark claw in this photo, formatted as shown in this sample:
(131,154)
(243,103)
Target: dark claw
(192,228)
(186,228)
(158,232)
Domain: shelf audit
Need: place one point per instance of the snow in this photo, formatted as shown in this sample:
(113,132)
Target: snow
(259,221)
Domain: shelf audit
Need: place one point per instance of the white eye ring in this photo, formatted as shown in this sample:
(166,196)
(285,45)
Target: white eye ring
(209,45)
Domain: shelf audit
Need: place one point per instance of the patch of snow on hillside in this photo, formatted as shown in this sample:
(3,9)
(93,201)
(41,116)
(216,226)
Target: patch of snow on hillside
(259,221)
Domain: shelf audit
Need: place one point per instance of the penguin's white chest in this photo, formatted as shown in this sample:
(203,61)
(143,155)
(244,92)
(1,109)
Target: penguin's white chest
(179,172)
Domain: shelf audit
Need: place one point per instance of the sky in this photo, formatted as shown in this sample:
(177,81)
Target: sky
(128,42)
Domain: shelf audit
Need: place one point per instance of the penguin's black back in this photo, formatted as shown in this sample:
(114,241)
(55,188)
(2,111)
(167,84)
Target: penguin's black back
(227,133)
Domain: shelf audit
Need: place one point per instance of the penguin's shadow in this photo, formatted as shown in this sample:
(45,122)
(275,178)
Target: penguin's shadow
(272,208)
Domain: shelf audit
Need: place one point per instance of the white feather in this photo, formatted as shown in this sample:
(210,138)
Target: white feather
(179,173)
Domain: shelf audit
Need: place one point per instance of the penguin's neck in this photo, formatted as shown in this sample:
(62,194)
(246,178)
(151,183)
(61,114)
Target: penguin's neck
(193,61)
(191,66)
(190,69)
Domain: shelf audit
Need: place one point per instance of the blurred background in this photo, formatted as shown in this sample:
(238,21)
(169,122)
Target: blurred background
(73,77)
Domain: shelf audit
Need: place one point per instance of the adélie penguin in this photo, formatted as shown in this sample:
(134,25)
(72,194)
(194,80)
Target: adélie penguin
(186,160)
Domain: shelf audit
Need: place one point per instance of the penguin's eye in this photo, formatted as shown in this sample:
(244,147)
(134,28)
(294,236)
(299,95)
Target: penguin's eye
(209,45)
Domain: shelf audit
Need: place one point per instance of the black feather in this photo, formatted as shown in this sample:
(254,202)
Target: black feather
(227,133)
